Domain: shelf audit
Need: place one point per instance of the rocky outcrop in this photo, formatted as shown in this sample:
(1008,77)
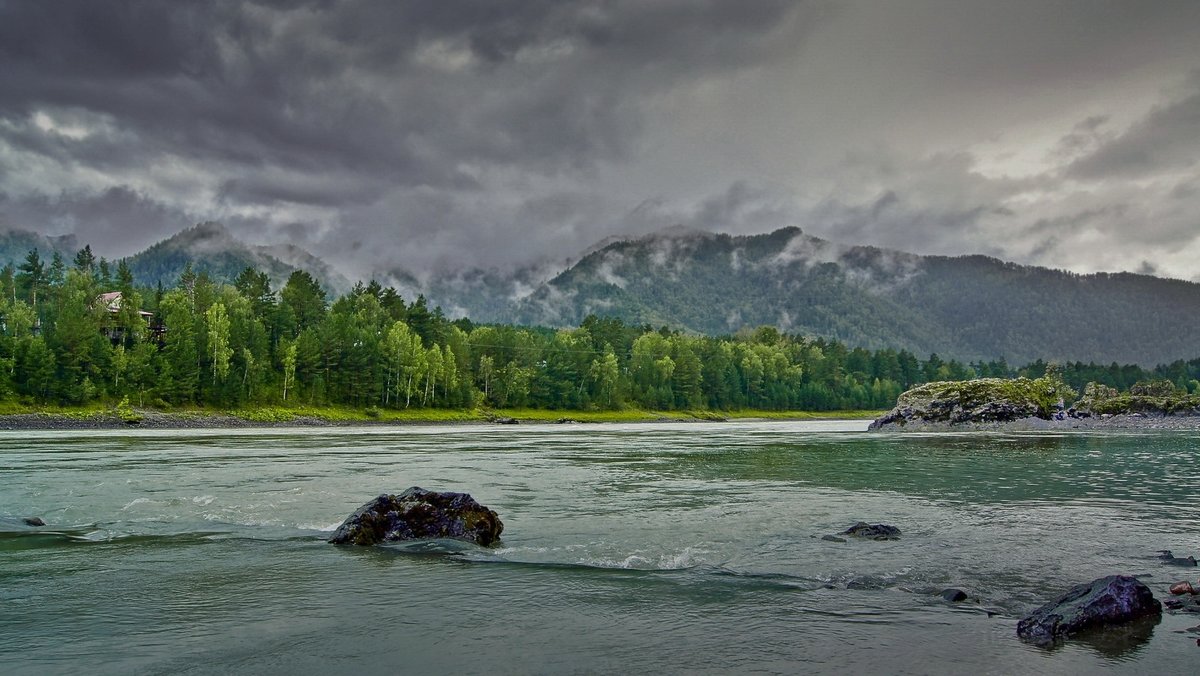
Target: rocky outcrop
(419,514)
(1106,602)
(878,531)
(983,400)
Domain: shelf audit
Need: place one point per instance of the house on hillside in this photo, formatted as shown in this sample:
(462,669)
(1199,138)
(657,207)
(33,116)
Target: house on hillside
(114,302)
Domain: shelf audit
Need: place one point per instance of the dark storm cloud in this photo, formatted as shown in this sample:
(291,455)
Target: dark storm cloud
(96,218)
(333,105)
(1168,139)
(359,86)
(427,133)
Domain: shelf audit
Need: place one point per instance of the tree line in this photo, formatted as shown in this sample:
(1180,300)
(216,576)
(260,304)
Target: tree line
(208,343)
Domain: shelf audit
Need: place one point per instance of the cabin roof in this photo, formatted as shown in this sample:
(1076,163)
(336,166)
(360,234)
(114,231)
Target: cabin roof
(112,302)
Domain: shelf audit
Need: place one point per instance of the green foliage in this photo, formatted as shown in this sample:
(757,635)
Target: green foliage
(368,355)
(126,413)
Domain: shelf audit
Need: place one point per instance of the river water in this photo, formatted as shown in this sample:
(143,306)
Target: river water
(673,548)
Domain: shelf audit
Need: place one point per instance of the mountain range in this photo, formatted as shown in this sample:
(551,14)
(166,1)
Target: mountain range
(967,307)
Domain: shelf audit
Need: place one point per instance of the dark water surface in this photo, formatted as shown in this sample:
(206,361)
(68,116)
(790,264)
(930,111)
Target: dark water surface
(680,548)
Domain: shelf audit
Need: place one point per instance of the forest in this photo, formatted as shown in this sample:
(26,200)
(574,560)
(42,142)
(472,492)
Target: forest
(68,340)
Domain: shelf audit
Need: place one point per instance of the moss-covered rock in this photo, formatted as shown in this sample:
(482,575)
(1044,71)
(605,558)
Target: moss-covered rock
(1149,398)
(981,400)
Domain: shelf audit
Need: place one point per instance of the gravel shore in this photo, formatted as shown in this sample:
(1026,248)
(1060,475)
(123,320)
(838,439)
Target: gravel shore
(149,420)
(1131,422)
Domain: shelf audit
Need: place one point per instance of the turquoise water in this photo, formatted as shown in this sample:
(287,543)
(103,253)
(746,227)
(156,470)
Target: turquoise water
(675,548)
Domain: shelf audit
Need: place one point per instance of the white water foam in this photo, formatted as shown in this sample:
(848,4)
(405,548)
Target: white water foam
(687,558)
(135,502)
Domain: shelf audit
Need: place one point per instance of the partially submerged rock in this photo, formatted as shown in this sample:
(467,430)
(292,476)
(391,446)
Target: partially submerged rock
(1181,588)
(1170,559)
(954,595)
(878,531)
(1108,601)
(417,514)
(8,522)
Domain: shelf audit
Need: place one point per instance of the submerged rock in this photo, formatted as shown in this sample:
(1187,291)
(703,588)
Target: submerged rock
(1108,601)
(1170,559)
(1187,603)
(417,514)
(867,582)
(33,521)
(879,531)
(832,538)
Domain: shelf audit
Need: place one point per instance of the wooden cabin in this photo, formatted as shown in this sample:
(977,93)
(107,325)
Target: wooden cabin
(113,302)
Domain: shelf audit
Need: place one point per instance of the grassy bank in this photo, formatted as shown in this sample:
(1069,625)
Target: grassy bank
(308,415)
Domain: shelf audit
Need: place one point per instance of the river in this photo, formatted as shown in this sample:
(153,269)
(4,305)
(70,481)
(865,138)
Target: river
(648,548)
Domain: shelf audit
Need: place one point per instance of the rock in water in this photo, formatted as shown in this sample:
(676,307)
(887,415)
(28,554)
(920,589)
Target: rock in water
(33,521)
(1170,559)
(954,595)
(878,531)
(1108,601)
(417,514)
(1181,588)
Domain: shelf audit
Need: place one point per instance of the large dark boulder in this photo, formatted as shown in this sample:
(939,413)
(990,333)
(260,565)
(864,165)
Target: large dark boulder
(878,531)
(419,514)
(1108,601)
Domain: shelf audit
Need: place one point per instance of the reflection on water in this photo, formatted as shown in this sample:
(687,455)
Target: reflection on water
(676,548)
(1124,641)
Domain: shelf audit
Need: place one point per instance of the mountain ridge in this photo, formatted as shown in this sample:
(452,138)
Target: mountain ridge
(971,307)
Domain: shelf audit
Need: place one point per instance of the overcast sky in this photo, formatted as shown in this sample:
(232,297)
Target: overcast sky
(425,134)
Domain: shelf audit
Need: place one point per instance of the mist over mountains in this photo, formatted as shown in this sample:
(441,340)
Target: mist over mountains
(967,307)
(972,307)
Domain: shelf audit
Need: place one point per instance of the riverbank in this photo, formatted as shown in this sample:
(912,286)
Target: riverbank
(69,419)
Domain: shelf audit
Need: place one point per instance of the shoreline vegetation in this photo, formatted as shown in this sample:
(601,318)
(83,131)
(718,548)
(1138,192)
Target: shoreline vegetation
(55,418)
(79,337)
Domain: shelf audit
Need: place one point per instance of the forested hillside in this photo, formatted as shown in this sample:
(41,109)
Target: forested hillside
(211,248)
(972,307)
(200,342)
(15,244)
